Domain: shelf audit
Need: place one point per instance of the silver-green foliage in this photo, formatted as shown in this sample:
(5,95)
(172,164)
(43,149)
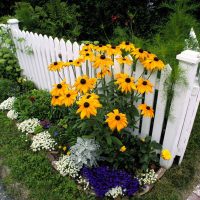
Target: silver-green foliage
(85,151)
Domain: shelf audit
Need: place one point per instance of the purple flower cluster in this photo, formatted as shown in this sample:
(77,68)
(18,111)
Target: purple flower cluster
(103,179)
(45,123)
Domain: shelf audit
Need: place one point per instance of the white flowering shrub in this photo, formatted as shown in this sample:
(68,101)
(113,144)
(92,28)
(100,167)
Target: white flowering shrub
(67,166)
(7,104)
(12,114)
(28,125)
(84,182)
(43,141)
(147,178)
(85,151)
(114,192)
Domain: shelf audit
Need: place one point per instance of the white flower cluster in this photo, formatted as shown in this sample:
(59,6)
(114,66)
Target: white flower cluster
(42,141)
(28,125)
(149,177)
(114,192)
(12,114)
(82,181)
(67,166)
(7,104)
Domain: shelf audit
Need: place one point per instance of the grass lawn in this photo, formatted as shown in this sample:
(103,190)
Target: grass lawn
(40,182)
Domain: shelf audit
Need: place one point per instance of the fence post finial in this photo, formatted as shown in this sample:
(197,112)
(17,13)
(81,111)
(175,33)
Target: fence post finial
(13,23)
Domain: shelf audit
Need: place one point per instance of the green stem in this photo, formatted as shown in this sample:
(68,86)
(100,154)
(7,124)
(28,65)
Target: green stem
(122,68)
(87,68)
(59,75)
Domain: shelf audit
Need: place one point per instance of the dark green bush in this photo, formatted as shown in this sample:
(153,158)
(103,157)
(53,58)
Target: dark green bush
(34,104)
(26,85)
(8,88)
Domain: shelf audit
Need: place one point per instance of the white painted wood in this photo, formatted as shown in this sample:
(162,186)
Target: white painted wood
(160,105)
(179,108)
(189,120)
(149,99)
(76,49)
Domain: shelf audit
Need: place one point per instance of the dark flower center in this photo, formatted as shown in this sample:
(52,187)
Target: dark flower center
(70,60)
(100,45)
(102,57)
(127,43)
(113,47)
(128,80)
(87,54)
(83,81)
(141,50)
(124,58)
(78,62)
(87,44)
(148,108)
(59,86)
(86,49)
(156,59)
(56,97)
(68,95)
(144,83)
(88,96)
(55,63)
(117,117)
(86,104)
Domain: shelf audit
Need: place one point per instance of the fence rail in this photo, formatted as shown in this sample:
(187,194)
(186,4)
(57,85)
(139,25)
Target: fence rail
(35,52)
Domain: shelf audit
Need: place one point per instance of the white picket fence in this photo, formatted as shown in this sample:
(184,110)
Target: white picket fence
(46,50)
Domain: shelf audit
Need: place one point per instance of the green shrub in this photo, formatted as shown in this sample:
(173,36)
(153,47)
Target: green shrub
(34,104)
(26,85)
(8,88)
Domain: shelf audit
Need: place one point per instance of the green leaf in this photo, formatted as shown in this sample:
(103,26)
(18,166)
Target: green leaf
(108,139)
(116,141)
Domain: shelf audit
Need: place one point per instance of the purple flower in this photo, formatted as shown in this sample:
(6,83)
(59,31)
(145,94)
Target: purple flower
(55,133)
(103,179)
(45,123)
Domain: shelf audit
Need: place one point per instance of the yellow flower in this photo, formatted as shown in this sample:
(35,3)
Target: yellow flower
(59,147)
(104,72)
(56,66)
(59,89)
(100,48)
(84,83)
(140,54)
(69,63)
(56,101)
(88,107)
(102,61)
(78,62)
(126,83)
(64,148)
(127,46)
(144,85)
(124,60)
(142,139)
(68,153)
(87,55)
(88,47)
(69,97)
(153,63)
(123,149)
(92,96)
(116,120)
(147,111)
(165,154)
(113,50)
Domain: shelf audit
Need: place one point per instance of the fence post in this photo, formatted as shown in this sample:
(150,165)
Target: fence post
(13,24)
(188,61)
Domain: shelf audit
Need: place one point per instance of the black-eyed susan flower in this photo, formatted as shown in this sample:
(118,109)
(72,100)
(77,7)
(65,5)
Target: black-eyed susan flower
(116,120)
(146,110)
(69,63)
(100,48)
(127,46)
(69,97)
(78,62)
(87,47)
(84,83)
(124,60)
(56,101)
(59,89)
(88,56)
(56,66)
(165,154)
(140,54)
(125,82)
(103,73)
(153,63)
(144,85)
(88,107)
(102,61)
(123,149)
(113,50)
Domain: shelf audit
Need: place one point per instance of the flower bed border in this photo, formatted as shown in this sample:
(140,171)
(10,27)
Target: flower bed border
(52,155)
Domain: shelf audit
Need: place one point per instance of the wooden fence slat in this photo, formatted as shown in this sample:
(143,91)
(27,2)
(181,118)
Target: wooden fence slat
(76,49)
(160,106)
